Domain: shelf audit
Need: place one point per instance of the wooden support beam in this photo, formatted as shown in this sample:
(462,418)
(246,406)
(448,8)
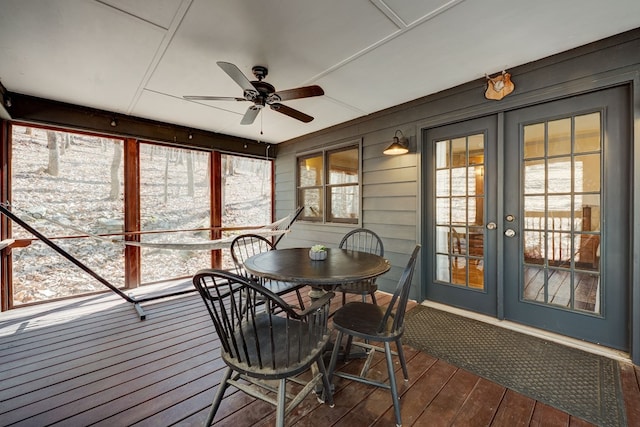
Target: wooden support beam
(30,109)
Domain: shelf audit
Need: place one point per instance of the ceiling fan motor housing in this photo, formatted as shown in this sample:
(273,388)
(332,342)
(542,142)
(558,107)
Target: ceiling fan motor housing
(260,72)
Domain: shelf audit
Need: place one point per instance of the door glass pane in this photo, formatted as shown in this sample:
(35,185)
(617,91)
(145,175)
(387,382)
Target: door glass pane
(561,240)
(534,210)
(535,176)
(534,289)
(535,247)
(587,177)
(559,137)
(534,140)
(587,133)
(443,268)
(459,152)
(559,213)
(442,154)
(443,210)
(459,181)
(558,287)
(442,180)
(559,175)
(460,211)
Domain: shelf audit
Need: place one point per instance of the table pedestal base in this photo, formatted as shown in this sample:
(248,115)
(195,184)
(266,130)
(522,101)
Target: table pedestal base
(316,293)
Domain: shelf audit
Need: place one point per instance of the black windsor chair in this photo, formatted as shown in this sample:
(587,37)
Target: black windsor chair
(259,345)
(371,322)
(248,245)
(362,240)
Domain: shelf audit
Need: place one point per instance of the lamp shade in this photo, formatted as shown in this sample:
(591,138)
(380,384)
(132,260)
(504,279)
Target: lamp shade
(398,146)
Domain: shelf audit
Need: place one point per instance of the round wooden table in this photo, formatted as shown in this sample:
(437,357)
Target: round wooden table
(294,265)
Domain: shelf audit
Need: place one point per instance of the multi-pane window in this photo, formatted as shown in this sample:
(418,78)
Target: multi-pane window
(329,185)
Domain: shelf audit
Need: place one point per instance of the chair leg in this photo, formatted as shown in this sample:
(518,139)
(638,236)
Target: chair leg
(392,383)
(300,299)
(403,362)
(327,394)
(347,348)
(219,394)
(373,298)
(344,298)
(282,403)
(334,356)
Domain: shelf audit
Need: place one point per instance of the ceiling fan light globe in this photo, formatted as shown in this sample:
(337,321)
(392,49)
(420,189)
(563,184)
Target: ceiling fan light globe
(273,98)
(250,95)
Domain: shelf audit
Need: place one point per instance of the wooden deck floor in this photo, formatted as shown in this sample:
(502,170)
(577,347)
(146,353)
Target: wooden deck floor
(91,361)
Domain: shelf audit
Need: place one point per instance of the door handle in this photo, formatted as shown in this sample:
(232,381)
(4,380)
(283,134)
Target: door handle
(509,232)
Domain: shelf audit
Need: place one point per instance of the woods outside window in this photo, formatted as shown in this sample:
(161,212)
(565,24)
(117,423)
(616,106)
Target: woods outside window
(329,185)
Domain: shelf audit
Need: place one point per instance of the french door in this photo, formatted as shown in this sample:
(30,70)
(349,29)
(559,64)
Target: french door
(538,231)
(462,214)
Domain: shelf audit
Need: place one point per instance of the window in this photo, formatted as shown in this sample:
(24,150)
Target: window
(66,185)
(247,197)
(70,186)
(329,185)
(174,195)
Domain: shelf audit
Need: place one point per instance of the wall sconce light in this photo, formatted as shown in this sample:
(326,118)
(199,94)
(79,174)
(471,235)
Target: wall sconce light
(400,145)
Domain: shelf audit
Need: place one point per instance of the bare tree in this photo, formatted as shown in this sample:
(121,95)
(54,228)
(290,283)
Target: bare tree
(190,184)
(54,155)
(62,147)
(166,177)
(115,167)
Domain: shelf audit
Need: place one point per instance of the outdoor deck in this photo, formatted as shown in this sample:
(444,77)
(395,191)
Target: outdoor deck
(91,361)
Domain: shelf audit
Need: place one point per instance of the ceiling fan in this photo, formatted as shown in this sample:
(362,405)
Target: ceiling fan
(262,94)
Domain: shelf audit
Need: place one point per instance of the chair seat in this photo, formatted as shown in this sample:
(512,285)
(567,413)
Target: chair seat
(364,287)
(363,320)
(266,357)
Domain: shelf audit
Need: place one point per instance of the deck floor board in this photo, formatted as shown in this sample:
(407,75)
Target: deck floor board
(91,361)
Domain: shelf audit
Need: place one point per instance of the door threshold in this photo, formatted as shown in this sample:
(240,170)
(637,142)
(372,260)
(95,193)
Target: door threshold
(546,335)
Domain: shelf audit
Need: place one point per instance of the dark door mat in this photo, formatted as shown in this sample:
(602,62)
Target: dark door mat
(582,384)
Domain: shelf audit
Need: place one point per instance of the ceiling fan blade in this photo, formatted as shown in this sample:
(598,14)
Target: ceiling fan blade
(300,92)
(250,115)
(299,115)
(212,98)
(237,76)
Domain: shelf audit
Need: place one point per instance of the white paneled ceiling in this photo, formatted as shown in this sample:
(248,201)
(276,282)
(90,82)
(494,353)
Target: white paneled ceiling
(139,57)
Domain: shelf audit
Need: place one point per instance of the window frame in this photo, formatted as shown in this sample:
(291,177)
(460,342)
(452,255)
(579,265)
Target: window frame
(325,188)
(131,206)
